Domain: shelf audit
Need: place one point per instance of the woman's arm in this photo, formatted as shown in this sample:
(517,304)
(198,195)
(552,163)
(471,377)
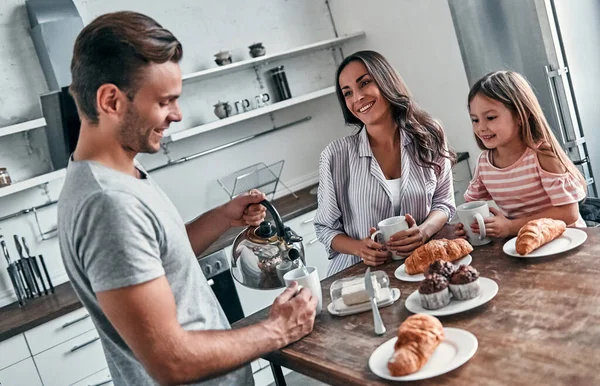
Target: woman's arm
(328,220)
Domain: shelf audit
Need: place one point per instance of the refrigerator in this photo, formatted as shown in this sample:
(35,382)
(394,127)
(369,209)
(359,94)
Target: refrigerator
(555,44)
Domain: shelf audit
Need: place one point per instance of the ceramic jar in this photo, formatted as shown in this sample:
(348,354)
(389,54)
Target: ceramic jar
(223,110)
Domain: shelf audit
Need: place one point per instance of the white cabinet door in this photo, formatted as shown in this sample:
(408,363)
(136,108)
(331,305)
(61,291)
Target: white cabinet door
(101,378)
(303,224)
(71,361)
(13,350)
(20,374)
(316,254)
(59,330)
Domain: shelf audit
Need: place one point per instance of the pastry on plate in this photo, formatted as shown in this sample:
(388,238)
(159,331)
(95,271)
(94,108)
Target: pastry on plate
(441,267)
(464,283)
(433,292)
(418,337)
(443,249)
(538,232)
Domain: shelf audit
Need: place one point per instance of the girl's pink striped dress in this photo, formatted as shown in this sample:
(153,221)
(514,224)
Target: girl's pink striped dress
(524,187)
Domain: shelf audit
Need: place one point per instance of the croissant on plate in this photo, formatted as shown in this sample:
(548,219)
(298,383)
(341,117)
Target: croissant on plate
(443,249)
(418,337)
(538,232)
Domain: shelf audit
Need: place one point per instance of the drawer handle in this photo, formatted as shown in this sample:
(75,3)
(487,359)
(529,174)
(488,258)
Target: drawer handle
(76,320)
(311,242)
(308,221)
(75,348)
(109,380)
(456,191)
(211,282)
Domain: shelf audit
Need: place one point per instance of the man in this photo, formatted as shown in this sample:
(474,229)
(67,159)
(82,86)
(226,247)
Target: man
(130,257)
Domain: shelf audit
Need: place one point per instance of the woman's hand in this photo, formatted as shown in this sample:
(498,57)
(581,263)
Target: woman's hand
(403,243)
(497,226)
(371,252)
(459,230)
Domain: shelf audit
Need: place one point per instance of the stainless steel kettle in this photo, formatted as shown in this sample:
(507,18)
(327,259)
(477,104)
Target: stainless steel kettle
(263,254)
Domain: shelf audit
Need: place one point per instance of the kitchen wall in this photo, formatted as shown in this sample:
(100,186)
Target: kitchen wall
(204,27)
(418,38)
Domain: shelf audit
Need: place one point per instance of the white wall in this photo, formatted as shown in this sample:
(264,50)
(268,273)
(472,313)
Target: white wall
(418,38)
(204,27)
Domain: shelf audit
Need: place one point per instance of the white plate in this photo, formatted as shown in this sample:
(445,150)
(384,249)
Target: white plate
(455,350)
(571,238)
(489,289)
(357,308)
(401,274)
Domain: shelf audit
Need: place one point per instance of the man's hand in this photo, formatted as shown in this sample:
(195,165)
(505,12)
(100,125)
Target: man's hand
(245,209)
(292,315)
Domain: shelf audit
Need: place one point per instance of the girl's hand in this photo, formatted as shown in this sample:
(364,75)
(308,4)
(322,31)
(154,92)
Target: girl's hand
(406,241)
(497,226)
(371,252)
(459,231)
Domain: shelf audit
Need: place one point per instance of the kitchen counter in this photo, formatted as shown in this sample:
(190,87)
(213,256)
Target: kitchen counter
(540,329)
(15,320)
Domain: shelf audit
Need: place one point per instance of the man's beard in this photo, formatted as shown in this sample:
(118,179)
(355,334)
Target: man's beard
(133,135)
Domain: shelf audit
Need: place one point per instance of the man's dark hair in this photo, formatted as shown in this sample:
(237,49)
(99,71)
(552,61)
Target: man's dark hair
(114,48)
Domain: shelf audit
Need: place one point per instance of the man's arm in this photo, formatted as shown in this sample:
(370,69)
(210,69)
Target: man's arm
(241,211)
(145,316)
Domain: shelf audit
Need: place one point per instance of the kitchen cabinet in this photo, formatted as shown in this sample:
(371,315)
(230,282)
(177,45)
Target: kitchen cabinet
(22,373)
(71,361)
(59,330)
(314,252)
(13,350)
(101,378)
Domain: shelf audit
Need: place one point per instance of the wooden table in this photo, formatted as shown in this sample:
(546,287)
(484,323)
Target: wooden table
(542,328)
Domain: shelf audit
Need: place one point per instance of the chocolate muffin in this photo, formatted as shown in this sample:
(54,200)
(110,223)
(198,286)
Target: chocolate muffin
(441,267)
(464,283)
(433,292)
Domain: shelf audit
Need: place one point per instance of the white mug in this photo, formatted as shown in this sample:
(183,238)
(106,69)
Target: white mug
(389,227)
(474,211)
(310,281)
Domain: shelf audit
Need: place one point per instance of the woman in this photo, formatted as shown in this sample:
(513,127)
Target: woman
(396,164)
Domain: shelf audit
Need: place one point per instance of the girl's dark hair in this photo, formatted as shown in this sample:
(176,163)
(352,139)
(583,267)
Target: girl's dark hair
(427,134)
(114,48)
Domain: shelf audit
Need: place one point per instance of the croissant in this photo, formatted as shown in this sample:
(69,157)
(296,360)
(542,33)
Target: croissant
(444,249)
(418,337)
(538,232)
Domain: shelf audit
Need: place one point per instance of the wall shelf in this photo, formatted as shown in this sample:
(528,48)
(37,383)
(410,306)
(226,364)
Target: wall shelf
(32,182)
(177,136)
(237,66)
(24,126)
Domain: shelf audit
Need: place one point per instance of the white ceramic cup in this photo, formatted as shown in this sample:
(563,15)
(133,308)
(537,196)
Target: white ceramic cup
(474,211)
(389,227)
(310,281)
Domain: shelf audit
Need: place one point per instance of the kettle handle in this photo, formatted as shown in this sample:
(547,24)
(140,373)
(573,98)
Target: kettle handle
(276,217)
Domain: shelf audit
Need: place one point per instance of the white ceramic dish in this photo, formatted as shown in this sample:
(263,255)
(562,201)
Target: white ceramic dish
(401,274)
(343,310)
(571,238)
(489,289)
(457,348)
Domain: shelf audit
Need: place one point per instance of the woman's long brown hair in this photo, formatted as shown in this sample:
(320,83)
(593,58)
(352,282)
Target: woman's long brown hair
(514,91)
(427,133)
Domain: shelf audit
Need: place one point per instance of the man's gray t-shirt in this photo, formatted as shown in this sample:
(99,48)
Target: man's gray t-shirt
(116,231)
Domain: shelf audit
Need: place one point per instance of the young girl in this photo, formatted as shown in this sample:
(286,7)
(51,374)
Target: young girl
(522,167)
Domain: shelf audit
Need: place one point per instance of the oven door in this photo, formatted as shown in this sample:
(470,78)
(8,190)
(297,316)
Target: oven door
(216,269)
